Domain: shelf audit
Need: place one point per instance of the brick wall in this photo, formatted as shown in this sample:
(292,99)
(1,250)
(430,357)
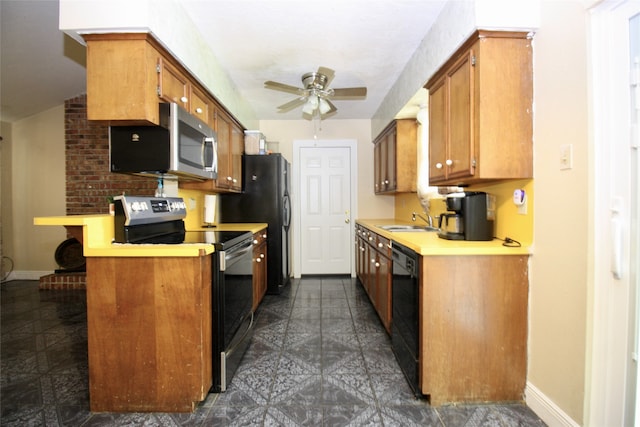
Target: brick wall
(89,181)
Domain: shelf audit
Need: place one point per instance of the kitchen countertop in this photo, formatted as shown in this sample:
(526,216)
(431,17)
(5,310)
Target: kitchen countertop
(96,234)
(428,243)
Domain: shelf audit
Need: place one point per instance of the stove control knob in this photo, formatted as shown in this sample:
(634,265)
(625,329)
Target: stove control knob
(135,206)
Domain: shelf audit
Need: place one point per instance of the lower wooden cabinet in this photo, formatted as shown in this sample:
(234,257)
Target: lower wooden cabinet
(473,328)
(373,254)
(259,267)
(149,333)
(472,319)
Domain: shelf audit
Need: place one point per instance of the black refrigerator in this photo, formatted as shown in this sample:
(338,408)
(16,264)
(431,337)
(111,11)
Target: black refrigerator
(265,198)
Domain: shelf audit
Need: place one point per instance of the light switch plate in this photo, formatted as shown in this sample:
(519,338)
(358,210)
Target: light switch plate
(566,156)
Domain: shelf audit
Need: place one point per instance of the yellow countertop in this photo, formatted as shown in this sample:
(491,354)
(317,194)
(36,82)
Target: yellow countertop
(428,243)
(96,233)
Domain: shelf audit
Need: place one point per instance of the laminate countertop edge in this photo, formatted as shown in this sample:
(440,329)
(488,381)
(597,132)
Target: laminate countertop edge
(427,243)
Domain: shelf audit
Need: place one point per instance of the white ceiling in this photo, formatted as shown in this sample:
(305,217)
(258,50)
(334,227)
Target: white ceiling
(366,42)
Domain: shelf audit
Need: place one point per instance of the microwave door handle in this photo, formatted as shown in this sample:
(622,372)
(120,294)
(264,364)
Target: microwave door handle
(214,146)
(214,158)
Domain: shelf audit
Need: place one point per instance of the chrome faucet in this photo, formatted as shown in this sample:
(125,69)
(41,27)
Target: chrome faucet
(428,220)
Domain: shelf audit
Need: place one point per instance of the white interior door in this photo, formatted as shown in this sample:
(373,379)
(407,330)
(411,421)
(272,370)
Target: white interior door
(324,194)
(615,93)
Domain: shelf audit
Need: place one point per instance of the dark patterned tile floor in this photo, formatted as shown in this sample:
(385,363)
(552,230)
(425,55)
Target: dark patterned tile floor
(319,357)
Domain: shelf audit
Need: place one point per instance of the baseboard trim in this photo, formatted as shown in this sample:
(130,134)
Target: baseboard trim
(544,407)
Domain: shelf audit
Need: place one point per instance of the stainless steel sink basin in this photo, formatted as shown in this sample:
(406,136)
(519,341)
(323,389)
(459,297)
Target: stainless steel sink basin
(407,228)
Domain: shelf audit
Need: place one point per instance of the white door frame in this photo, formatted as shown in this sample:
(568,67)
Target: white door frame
(352,144)
(612,300)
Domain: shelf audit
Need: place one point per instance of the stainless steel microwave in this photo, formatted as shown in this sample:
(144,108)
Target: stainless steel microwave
(182,146)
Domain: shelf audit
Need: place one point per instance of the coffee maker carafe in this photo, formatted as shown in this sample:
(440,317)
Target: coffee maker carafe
(470,216)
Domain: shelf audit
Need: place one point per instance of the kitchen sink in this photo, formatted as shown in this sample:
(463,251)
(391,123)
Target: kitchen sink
(407,228)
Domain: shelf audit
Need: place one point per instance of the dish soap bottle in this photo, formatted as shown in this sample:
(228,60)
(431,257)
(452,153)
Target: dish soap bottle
(160,189)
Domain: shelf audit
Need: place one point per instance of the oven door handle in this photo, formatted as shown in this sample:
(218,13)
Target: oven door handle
(227,257)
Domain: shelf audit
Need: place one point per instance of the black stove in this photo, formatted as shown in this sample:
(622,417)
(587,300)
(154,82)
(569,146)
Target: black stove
(160,220)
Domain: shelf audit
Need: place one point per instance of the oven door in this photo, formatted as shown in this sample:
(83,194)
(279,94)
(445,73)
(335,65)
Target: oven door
(232,311)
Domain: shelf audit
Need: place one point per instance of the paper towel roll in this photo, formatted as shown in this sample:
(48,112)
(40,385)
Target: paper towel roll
(209,208)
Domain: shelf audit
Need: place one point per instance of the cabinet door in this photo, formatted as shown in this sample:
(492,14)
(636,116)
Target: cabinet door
(173,86)
(201,106)
(237,148)
(259,267)
(378,184)
(390,160)
(223,129)
(383,300)
(459,162)
(438,131)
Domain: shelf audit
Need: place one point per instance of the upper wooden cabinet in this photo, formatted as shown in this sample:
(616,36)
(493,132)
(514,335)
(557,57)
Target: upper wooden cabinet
(230,148)
(128,75)
(173,86)
(480,111)
(395,158)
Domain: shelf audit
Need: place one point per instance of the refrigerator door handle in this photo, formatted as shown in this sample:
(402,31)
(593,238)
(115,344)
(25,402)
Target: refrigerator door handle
(286,207)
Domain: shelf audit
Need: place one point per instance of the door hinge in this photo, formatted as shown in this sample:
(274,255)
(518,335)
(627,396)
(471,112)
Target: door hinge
(473,162)
(473,60)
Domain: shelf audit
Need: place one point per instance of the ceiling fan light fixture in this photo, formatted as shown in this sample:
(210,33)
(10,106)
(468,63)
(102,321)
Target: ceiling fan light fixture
(311,105)
(316,95)
(324,106)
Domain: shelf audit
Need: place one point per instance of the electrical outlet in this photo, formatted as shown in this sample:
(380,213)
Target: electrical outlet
(566,156)
(520,200)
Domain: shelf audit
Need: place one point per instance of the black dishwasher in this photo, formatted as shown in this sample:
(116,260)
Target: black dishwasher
(405,301)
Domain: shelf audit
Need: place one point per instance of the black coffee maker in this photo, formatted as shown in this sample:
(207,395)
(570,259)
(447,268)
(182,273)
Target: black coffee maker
(470,216)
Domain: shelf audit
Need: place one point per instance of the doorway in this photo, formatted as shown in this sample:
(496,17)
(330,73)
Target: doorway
(324,190)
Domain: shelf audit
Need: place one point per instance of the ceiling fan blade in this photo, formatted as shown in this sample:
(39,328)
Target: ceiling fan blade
(349,93)
(291,105)
(328,73)
(284,87)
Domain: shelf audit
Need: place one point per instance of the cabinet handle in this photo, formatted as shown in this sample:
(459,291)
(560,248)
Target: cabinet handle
(377,264)
(449,162)
(199,110)
(438,165)
(380,245)
(229,178)
(184,99)
(261,255)
(386,181)
(264,236)
(258,260)
(255,241)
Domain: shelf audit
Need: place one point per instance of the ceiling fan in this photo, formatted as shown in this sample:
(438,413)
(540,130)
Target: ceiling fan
(315,96)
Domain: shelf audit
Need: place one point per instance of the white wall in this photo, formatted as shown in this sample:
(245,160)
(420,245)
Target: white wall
(36,187)
(558,294)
